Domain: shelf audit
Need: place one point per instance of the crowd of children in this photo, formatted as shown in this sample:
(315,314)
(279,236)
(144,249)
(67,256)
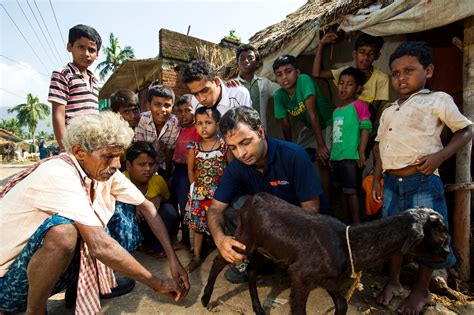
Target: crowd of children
(188,152)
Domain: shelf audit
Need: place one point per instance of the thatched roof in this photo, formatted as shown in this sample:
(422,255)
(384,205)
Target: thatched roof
(133,75)
(312,16)
(6,136)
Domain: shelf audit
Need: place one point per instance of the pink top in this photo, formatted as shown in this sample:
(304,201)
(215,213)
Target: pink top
(362,110)
(186,136)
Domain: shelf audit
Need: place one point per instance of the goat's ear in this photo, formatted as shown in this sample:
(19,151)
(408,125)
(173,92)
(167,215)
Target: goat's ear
(416,235)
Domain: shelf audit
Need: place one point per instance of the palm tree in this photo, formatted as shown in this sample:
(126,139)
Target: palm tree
(30,113)
(12,126)
(114,56)
(45,135)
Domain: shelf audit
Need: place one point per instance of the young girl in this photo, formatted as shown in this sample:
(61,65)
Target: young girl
(180,178)
(207,160)
(350,133)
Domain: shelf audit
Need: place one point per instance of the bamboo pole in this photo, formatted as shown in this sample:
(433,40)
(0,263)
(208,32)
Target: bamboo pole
(462,212)
(456,187)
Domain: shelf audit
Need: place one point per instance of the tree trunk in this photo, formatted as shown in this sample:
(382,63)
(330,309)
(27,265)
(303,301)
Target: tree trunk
(462,212)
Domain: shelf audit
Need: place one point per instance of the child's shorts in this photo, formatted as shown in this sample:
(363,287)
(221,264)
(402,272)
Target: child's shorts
(306,137)
(346,174)
(417,190)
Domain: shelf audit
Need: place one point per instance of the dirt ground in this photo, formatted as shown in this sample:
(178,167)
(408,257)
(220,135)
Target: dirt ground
(231,298)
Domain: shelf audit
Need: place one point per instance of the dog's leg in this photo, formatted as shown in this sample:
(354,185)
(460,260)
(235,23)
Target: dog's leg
(255,261)
(218,264)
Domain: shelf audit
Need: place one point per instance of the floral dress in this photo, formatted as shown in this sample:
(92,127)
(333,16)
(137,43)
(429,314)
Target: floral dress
(208,169)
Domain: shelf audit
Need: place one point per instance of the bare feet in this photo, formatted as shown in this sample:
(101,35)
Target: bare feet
(195,262)
(414,303)
(389,291)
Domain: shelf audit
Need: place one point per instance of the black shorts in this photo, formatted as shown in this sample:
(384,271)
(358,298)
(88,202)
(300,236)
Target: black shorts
(346,174)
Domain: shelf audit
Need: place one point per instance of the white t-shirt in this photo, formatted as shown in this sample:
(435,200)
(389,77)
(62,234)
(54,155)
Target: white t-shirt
(231,97)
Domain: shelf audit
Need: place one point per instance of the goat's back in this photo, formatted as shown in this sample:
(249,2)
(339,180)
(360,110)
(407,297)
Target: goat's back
(287,234)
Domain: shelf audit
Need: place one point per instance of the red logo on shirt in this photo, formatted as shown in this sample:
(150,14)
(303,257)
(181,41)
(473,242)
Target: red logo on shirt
(275,183)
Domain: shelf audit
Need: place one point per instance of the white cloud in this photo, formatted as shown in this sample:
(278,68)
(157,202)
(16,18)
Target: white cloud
(17,80)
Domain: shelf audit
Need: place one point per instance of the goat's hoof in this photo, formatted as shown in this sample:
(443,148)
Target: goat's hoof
(205,300)
(259,311)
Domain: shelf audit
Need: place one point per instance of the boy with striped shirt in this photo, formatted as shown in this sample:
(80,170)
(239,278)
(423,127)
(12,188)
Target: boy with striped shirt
(74,89)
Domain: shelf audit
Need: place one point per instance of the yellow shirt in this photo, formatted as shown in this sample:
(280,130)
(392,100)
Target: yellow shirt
(375,89)
(156,187)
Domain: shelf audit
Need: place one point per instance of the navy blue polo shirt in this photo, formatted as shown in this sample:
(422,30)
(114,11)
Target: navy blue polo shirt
(288,174)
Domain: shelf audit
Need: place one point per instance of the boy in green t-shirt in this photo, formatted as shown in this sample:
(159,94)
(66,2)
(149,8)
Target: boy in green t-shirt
(299,96)
(351,127)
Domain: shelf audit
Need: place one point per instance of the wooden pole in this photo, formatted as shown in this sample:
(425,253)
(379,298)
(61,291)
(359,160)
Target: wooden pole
(462,211)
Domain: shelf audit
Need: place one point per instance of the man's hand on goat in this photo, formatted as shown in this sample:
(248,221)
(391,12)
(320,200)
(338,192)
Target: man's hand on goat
(428,164)
(227,252)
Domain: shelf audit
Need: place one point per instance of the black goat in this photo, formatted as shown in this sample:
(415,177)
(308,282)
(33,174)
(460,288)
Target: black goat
(313,247)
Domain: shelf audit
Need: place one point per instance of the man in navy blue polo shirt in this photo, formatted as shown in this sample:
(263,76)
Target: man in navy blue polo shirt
(261,164)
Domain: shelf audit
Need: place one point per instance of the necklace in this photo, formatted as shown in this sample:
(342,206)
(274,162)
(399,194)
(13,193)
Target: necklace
(212,147)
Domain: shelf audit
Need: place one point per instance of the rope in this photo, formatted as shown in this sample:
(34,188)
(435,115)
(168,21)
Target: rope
(357,276)
(353,274)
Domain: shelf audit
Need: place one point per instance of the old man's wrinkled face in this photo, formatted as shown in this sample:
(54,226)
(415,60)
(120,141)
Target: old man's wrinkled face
(100,164)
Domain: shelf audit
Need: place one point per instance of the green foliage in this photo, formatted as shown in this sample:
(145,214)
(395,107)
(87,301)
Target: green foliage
(12,125)
(45,135)
(114,57)
(30,113)
(232,36)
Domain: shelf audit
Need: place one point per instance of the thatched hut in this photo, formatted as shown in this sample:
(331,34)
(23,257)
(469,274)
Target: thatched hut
(9,145)
(447,26)
(175,51)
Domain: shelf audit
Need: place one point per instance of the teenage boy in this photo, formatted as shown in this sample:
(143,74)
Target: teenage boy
(74,89)
(209,90)
(300,97)
(160,127)
(125,103)
(409,149)
(141,171)
(366,51)
(261,89)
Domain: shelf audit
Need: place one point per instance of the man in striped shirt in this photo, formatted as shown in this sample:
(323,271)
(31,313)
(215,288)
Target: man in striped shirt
(74,89)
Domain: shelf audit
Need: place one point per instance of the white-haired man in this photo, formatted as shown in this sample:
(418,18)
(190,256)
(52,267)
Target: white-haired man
(53,218)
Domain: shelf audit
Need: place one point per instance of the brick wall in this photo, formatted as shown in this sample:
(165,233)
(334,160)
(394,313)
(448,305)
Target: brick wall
(177,46)
(171,75)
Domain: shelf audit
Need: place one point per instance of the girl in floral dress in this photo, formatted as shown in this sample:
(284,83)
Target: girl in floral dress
(207,160)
